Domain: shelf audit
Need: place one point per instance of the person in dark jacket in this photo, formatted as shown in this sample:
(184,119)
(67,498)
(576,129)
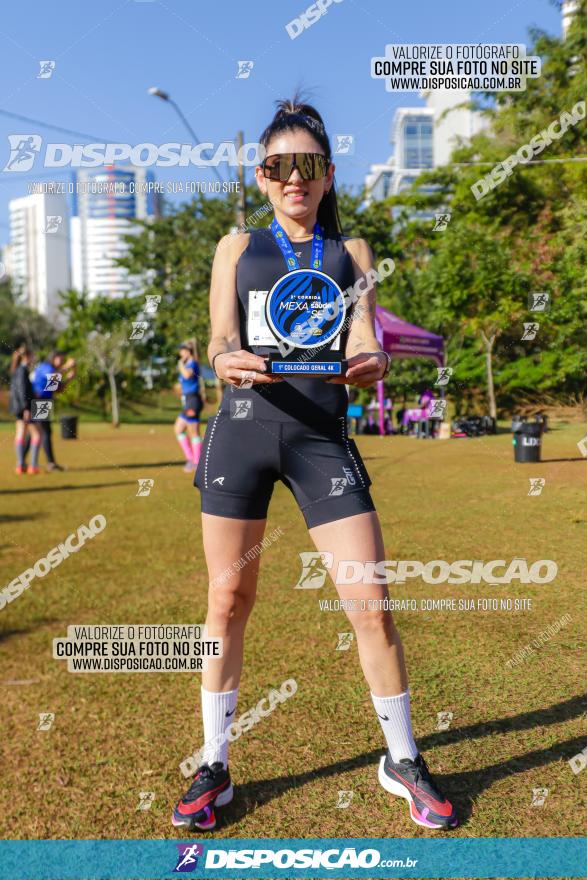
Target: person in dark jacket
(21,394)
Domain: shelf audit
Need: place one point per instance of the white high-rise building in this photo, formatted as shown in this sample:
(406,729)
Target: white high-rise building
(569,7)
(39,250)
(105,203)
(453,120)
(423,138)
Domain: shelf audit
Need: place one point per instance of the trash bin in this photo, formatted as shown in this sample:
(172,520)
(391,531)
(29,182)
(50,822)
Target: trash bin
(68,427)
(527,440)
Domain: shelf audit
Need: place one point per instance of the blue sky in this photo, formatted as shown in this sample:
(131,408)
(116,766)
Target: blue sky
(107,55)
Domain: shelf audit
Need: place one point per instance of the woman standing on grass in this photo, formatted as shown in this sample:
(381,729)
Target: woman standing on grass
(21,395)
(187,424)
(294,431)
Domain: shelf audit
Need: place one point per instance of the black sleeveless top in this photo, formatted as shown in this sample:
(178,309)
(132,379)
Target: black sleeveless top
(307,399)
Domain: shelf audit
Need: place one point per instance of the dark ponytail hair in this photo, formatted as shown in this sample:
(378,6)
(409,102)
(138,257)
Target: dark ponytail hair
(295,114)
(20,354)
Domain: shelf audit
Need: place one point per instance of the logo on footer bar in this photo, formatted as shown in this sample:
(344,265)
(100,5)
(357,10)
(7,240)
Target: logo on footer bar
(187,859)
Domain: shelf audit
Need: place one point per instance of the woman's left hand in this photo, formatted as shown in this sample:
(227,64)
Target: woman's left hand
(363,370)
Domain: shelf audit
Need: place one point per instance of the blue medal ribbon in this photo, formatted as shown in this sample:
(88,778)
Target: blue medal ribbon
(291,261)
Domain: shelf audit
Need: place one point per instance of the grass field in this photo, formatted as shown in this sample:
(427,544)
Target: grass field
(115,735)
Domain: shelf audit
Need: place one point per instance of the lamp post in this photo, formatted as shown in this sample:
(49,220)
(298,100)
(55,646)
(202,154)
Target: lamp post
(159,93)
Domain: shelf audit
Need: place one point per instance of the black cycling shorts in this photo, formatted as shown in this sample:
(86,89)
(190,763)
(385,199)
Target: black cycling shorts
(242,459)
(192,406)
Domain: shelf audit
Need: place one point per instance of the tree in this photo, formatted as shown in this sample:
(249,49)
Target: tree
(19,324)
(471,282)
(98,333)
(109,352)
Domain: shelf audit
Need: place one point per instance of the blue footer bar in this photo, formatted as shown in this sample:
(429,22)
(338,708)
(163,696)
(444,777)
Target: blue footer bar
(288,858)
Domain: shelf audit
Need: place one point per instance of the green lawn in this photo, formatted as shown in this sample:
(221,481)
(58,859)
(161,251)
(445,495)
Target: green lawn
(116,735)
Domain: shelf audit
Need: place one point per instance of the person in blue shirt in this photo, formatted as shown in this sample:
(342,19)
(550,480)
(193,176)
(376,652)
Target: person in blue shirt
(187,424)
(51,376)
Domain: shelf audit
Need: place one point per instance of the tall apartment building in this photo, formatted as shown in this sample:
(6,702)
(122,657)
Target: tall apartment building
(422,138)
(453,121)
(39,250)
(105,203)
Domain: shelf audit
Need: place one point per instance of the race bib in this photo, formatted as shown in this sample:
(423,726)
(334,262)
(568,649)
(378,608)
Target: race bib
(258,330)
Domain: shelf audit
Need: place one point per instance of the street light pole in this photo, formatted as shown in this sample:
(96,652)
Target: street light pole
(159,93)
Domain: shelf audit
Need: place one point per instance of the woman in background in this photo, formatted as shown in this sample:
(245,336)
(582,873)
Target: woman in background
(21,395)
(187,424)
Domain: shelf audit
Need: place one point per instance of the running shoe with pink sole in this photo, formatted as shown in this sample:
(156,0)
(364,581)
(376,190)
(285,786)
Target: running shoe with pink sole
(412,780)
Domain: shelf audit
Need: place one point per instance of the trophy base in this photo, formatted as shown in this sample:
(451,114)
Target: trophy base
(329,364)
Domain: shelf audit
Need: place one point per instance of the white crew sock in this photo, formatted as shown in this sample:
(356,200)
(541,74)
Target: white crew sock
(218,712)
(394,717)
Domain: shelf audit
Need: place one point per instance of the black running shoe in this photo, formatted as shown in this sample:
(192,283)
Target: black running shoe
(412,781)
(211,788)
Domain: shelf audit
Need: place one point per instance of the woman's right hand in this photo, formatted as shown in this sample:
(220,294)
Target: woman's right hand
(242,368)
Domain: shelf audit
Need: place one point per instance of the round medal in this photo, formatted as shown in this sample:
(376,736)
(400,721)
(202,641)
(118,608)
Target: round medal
(305,308)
